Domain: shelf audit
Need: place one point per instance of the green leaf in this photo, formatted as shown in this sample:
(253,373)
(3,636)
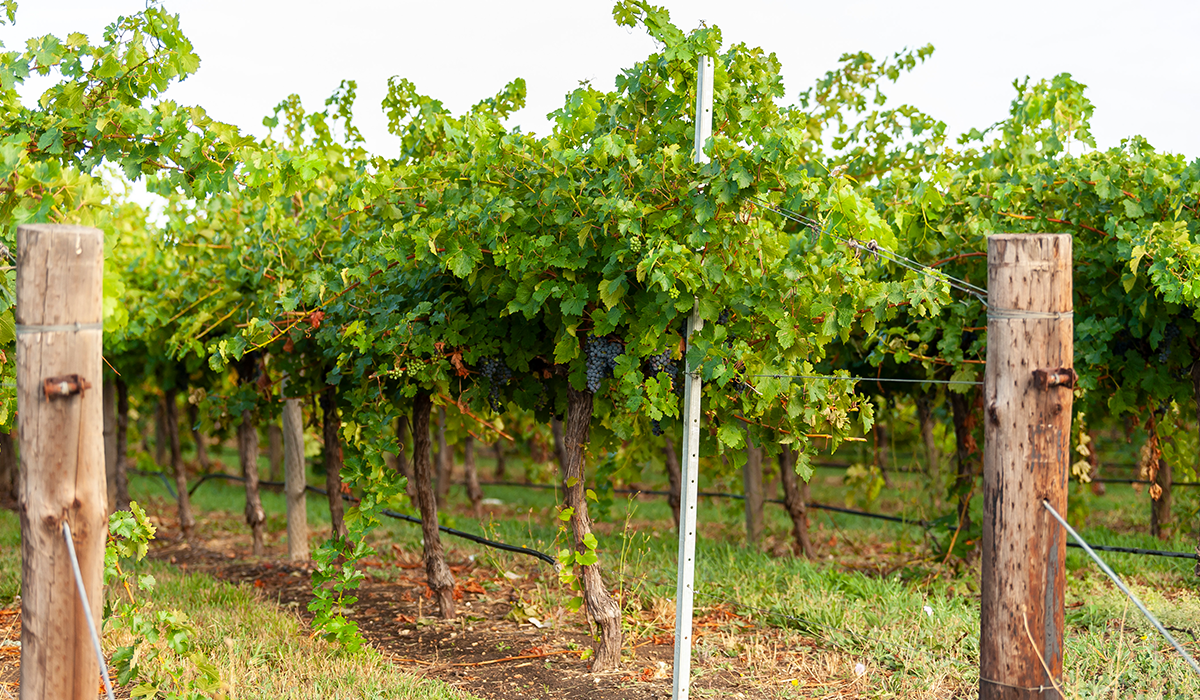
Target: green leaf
(611,291)
(7,328)
(1132,209)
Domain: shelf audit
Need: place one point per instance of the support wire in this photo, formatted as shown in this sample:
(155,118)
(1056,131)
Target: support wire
(1120,584)
(87,609)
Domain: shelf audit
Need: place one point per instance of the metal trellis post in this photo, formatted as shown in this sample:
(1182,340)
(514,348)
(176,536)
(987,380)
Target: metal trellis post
(690,462)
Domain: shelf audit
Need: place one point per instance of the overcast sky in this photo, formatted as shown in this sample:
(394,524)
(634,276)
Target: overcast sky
(1139,60)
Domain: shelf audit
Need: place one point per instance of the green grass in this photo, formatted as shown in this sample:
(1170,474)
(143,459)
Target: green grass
(261,651)
(863,602)
(258,649)
(10,556)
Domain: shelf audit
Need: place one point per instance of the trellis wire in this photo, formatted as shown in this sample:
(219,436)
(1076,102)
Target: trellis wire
(905,262)
(87,609)
(1120,584)
(868,379)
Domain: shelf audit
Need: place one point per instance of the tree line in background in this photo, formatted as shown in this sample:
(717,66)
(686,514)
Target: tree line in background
(486,284)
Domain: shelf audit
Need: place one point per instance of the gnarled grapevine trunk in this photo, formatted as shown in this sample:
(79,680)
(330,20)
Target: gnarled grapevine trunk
(170,427)
(122,466)
(437,573)
(600,605)
(474,492)
(671,460)
(332,427)
(795,499)
(248,457)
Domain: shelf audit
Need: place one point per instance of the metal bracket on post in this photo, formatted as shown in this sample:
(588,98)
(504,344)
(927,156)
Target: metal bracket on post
(690,461)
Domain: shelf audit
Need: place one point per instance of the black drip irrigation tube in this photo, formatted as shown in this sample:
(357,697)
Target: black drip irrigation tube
(738,497)
(925,524)
(862,513)
(386,511)
(518,549)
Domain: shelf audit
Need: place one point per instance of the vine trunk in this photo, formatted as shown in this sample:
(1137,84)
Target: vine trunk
(437,573)
(600,605)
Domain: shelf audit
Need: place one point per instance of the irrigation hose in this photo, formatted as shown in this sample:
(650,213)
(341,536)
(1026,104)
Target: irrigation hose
(711,494)
(864,514)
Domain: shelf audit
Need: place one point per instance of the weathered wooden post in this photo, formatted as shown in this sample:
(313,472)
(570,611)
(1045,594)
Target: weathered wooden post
(294,479)
(1027,403)
(59,311)
(752,487)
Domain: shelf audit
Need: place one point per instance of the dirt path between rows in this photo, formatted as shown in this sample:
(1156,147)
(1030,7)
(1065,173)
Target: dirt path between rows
(502,646)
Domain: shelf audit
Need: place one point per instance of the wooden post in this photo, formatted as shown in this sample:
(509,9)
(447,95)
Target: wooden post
(294,479)
(752,487)
(1027,405)
(60,271)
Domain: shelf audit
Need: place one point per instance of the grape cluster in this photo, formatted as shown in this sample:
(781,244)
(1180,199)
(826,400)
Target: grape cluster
(656,427)
(602,355)
(498,375)
(1170,333)
(723,318)
(663,363)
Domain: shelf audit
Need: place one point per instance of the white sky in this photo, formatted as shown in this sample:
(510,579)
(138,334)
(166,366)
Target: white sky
(1139,60)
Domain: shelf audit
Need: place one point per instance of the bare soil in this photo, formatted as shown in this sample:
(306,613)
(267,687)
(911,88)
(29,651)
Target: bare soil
(505,643)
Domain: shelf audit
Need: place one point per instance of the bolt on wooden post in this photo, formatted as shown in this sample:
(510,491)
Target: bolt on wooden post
(59,310)
(1028,390)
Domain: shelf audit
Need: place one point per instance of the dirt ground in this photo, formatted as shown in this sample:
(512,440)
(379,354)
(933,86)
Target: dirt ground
(502,645)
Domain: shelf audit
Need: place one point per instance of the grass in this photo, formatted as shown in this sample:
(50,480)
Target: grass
(258,649)
(261,651)
(877,615)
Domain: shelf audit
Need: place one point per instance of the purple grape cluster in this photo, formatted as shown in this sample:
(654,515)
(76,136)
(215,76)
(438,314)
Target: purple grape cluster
(498,375)
(602,354)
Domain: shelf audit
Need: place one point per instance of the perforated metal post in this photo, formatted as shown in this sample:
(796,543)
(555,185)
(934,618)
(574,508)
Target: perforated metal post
(690,459)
